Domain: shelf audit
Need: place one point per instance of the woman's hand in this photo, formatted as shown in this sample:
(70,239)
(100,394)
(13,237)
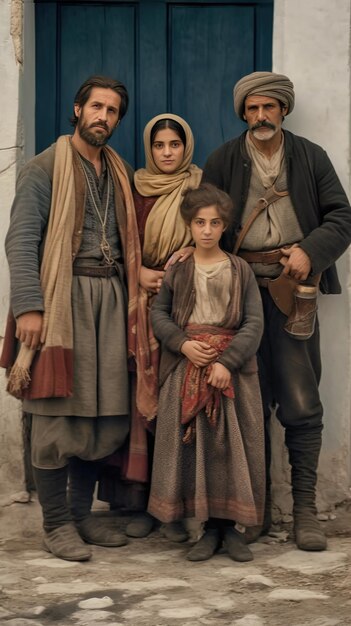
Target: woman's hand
(220,376)
(199,352)
(151,280)
(28,328)
(180,256)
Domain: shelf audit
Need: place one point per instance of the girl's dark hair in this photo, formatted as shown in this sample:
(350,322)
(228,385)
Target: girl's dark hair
(203,196)
(168,123)
(103,82)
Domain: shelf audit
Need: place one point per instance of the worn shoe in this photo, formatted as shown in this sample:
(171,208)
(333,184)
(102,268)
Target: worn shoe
(65,543)
(92,530)
(206,546)
(236,545)
(308,533)
(140,525)
(174,531)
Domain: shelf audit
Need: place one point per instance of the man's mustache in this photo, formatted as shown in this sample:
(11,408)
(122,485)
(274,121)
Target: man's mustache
(264,123)
(100,125)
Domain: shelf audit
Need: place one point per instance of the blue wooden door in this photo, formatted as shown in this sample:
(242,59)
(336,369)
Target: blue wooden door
(178,57)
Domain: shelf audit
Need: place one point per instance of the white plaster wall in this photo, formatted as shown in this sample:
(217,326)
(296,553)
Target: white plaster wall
(17,112)
(9,145)
(312,46)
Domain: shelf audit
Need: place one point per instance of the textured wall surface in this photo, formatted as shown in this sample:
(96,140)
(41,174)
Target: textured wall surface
(11,157)
(312,46)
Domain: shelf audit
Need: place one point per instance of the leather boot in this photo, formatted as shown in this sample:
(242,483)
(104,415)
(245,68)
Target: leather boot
(304,451)
(308,533)
(65,543)
(81,486)
(82,480)
(51,486)
(206,546)
(60,535)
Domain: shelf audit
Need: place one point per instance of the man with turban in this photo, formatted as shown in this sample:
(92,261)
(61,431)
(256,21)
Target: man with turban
(292,220)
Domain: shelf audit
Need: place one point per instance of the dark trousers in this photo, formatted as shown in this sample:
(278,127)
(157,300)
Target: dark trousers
(290,372)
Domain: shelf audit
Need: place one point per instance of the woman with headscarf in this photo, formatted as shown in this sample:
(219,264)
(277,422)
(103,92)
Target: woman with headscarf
(169,148)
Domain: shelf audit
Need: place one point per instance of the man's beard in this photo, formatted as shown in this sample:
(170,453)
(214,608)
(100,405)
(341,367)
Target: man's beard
(255,130)
(94,139)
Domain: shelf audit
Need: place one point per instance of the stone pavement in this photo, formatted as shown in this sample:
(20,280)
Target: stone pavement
(150,583)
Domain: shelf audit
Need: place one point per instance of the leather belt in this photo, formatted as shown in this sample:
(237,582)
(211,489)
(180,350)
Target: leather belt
(271,256)
(99,271)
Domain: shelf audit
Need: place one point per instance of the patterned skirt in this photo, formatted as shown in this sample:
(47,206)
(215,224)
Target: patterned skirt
(222,472)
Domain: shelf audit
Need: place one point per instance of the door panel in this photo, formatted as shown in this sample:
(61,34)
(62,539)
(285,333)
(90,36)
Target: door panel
(202,76)
(178,57)
(93,40)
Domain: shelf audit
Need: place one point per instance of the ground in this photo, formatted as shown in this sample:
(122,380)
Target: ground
(149,582)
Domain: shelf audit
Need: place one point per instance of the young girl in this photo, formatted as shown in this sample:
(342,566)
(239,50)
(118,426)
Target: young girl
(209,448)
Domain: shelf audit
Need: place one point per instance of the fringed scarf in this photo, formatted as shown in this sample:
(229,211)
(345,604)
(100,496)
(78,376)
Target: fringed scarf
(196,393)
(48,372)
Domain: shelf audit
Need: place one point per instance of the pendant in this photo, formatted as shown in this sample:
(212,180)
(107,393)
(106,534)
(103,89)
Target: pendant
(106,250)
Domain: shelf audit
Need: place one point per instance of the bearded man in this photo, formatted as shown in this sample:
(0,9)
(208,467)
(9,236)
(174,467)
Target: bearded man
(73,252)
(292,221)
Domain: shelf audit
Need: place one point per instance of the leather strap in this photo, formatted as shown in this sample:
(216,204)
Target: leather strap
(270,196)
(265,257)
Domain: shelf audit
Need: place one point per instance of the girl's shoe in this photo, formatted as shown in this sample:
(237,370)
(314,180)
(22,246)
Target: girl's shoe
(206,546)
(236,545)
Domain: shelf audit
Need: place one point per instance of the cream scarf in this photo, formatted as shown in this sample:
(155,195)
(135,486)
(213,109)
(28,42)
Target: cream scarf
(51,373)
(56,270)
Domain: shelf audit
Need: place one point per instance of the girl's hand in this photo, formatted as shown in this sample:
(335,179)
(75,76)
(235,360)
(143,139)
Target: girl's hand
(199,353)
(220,376)
(151,280)
(180,256)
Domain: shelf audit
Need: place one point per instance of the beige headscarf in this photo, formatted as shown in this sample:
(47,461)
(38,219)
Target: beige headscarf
(165,231)
(263,84)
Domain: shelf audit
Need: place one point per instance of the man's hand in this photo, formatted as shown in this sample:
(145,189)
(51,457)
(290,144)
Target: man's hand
(296,262)
(199,353)
(151,280)
(180,256)
(28,328)
(220,376)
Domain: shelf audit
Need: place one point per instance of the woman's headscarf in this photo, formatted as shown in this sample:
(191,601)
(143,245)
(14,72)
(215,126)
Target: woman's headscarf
(165,230)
